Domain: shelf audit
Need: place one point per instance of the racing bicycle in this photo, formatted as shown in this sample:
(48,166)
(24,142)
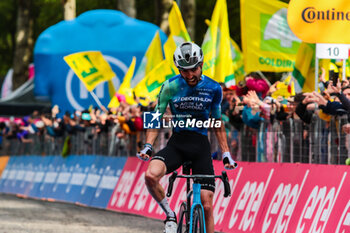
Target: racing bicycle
(191,215)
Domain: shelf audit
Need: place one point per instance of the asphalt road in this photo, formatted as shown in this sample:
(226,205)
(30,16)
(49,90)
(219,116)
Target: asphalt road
(18,215)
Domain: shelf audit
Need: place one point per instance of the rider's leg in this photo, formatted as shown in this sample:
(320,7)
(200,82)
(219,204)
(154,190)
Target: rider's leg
(207,201)
(155,171)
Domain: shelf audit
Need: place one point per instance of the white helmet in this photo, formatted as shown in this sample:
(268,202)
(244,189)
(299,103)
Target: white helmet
(187,56)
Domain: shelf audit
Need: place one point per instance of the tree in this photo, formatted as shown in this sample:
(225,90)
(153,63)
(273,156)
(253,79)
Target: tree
(128,7)
(8,11)
(164,9)
(23,43)
(188,11)
(69,7)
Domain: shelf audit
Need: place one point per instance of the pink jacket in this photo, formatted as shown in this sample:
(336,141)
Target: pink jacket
(258,85)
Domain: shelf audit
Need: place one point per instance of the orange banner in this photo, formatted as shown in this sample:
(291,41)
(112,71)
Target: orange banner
(3,163)
(320,21)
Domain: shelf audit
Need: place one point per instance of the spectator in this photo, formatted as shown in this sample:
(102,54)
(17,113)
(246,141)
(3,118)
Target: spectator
(253,82)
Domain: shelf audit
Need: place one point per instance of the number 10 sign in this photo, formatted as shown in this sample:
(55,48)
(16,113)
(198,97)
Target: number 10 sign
(332,51)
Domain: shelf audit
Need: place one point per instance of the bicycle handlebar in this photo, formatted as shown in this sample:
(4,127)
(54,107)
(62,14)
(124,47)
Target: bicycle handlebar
(223,177)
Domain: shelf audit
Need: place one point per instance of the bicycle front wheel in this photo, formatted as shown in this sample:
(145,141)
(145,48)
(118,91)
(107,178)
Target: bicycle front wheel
(183,219)
(198,223)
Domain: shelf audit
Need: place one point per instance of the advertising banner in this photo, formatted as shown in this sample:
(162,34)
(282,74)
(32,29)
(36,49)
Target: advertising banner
(58,189)
(320,21)
(79,169)
(3,163)
(8,174)
(51,175)
(88,179)
(126,184)
(266,197)
(92,179)
(41,165)
(131,194)
(111,169)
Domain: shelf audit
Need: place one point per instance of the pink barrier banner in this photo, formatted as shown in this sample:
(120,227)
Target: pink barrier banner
(266,197)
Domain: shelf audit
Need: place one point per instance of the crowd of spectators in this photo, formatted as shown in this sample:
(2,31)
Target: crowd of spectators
(244,107)
(252,102)
(52,127)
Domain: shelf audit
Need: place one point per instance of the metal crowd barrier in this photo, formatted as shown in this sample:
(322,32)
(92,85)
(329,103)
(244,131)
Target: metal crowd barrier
(295,142)
(290,141)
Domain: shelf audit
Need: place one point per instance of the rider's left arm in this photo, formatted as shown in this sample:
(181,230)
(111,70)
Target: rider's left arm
(221,137)
(220,132)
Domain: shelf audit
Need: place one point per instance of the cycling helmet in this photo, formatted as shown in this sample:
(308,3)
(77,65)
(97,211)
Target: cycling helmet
(187,56)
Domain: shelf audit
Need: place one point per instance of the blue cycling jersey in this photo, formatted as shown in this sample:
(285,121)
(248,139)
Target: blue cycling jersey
(190,104)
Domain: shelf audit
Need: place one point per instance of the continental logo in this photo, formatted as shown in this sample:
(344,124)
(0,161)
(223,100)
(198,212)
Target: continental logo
(312,15)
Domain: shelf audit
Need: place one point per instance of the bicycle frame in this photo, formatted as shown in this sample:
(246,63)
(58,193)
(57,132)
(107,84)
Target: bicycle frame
(196,192)
(196,201)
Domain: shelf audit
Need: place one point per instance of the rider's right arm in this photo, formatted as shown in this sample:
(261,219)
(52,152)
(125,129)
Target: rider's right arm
(151,134)
(163,98)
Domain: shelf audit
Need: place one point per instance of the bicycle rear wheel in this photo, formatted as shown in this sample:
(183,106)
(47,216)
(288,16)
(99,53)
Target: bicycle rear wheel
(198,223)
(183,219)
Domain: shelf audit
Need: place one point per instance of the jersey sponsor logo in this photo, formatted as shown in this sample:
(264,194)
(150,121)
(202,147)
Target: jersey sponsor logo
(191,103)
(189,106)
(193,98)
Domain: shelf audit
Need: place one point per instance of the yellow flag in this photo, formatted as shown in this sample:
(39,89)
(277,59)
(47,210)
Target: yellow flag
(217,46)
(152,57)
(114,102)
(267,41)
(304,69)
(125,88)
(149,86)
(284,88)
(178,34)
(90,67)
(223,65)
(238,62)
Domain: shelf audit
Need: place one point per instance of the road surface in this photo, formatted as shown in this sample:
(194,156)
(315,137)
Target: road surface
(18,215)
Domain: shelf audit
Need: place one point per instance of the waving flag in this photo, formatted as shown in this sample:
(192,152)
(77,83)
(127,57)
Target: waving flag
(217,47)
(304,70)
(178,34)
(267,41)
(238,62)
(149,86)
(114,103)
(152,57)
(90,67)
(125,88)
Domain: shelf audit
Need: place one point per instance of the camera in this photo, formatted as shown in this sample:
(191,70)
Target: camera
(334,77)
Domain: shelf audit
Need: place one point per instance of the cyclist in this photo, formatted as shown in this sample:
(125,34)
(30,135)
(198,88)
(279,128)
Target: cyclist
(195,97)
